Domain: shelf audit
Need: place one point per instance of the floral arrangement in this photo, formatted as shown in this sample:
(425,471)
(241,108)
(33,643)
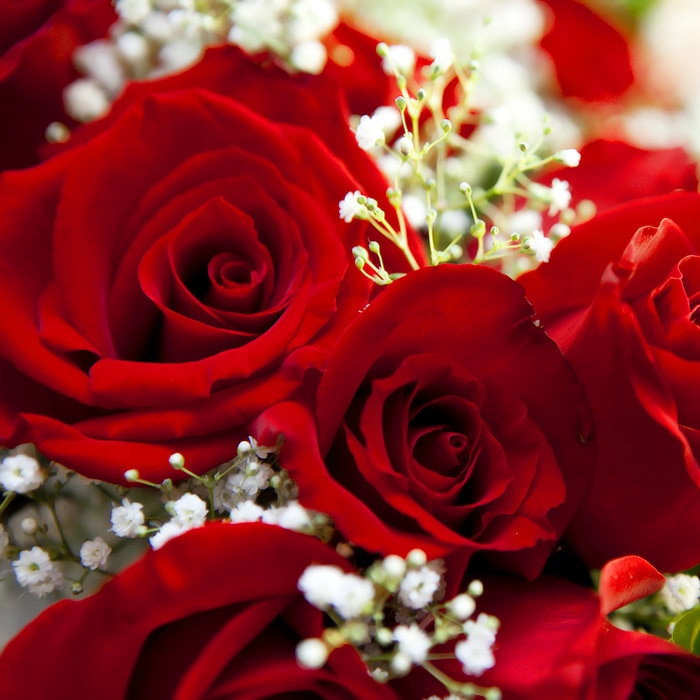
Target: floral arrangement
(349,350)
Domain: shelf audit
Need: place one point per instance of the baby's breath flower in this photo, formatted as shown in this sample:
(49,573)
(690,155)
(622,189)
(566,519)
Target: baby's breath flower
(681,593)
(29,526)
(352,596)
(318,582)
(35,570)
(21,473)
(127,519)
(166,533)
(569,156)
(560,197)
(475,655)
(293,516)
(418,587)
(349,207)
(399,57)
(94,553)
(190,511)
(441,53)
(311,653)
(369,133)
(413,642)
(246,512)
(540,245)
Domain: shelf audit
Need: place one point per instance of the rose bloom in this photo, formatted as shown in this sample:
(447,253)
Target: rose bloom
(215,613)
(555,642)
(37,41)
(620,297)
(177,270)
(445,420)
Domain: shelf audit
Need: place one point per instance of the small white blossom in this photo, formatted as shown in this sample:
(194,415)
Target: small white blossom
(21,473)
(441,53)
(246,512)
(681,592)
(127,519)
(413,642)
(462,606)
(540,245)
(454,222)
(35,570)
(310,20)
(167,532)
(475,656)
(293,516)
(569,157)
(311,653)
(560,197)
(190,511)
(309,57)
(352,596)
(255,478)
(94,553)
(388,118)
(415,210)
(419,587)
(29,526)
(133,11)
(369,133)
(484,628)
(318,582)
(85,100)
(349,208)
(401,58)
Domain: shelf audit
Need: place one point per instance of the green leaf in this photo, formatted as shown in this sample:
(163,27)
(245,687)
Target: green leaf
(686,632)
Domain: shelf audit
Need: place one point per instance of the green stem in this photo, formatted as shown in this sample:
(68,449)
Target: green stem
(9,497)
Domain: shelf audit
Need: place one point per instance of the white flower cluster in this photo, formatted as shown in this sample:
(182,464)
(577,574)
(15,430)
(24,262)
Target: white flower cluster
(153,38)
(392,615)
(20,473)
(680,593)
(188,512)
(35,571)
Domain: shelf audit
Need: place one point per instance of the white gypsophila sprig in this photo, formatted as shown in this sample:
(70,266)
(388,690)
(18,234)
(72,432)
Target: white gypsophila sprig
(35,571)
(20,473)
(127,519)
(349,208)
(419,587)
(318,582)
(167,532)
(189,511)
(540,245)
(680,593)
(369,133)
(413,642)
(94,553)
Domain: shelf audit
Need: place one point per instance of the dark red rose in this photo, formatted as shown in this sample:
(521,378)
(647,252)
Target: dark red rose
(445,420)
(170,277)
(37,41)
(555,643)
(591,58)
(612,172)
(620,297)
(215,613)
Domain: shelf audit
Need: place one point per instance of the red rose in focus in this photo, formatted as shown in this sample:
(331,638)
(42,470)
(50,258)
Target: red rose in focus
(591,58)
(173,276)
(620,296)
(37,41)
(446,420)
(208,616)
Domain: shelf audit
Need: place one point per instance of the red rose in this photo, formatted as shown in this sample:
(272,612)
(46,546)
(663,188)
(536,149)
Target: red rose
(620,297)
(37,41)
(555,643)
(169,278)
(205,617)
(612,172)
(445,420)
(591,58)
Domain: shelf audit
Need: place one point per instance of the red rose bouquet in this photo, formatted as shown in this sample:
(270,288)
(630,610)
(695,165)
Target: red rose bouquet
(299,399)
